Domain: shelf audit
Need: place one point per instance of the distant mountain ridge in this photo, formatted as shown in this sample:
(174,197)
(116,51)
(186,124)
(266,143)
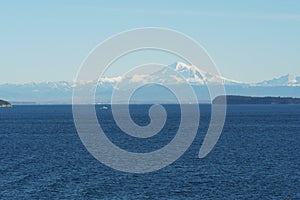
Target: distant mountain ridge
(287,80)
(61,91)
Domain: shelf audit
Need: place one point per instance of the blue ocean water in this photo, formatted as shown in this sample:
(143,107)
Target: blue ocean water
(257,156)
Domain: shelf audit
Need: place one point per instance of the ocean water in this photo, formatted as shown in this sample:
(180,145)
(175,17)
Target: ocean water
(257,156)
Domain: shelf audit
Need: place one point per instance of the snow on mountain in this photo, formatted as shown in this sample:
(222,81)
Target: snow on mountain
(110,80)
(190,73)
(287,80)
(61,92)
(194,75)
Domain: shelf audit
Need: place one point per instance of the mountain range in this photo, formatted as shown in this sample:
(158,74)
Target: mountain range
(61,92)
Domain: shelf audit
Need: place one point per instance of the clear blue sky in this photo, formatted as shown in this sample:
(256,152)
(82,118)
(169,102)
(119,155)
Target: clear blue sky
(249,40)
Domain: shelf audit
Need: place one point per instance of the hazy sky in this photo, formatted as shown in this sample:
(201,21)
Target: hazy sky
(249,40)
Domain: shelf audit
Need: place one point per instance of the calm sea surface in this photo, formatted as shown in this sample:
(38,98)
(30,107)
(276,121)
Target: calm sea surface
(257,156)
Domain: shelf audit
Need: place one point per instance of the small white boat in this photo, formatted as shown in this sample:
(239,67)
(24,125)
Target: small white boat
(103,108)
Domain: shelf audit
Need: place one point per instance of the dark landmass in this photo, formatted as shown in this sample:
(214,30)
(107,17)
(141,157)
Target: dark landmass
(231,99)
(4,104)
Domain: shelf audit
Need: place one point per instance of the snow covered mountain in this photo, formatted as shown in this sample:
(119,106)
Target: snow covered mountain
(195,75)
(190,73)
(61,92)
(288,80)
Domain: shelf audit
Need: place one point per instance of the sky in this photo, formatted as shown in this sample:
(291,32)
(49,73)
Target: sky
(249,41)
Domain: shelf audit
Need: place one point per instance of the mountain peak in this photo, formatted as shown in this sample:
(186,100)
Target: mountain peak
(287,80)
(183,66)
(195,75)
